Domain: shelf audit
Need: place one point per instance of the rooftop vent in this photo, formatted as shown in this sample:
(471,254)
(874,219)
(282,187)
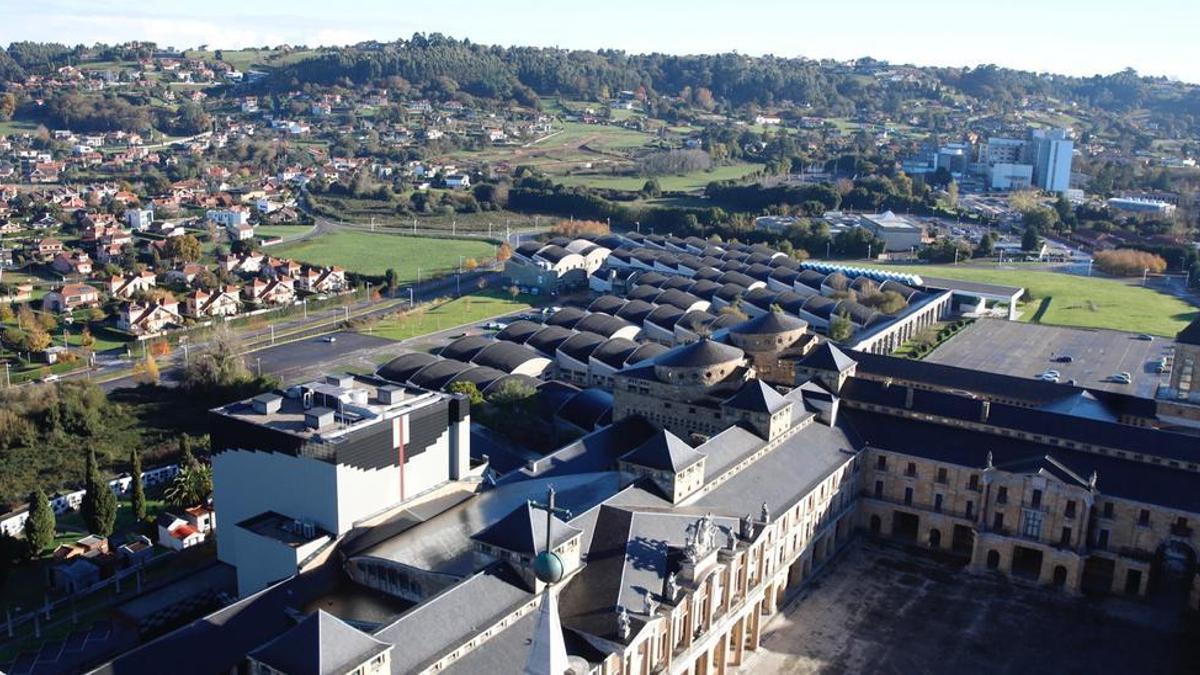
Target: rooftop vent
(340,379)
(318,418)
(267,404)
(390,394)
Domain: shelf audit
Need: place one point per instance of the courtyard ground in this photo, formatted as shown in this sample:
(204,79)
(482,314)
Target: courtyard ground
(880,608)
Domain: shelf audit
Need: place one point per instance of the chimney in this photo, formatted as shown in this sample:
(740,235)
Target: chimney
(908,397)
(984,409)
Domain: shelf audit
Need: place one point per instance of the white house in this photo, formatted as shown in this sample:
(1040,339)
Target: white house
(139,220)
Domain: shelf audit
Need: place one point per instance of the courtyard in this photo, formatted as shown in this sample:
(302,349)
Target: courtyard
(881,608)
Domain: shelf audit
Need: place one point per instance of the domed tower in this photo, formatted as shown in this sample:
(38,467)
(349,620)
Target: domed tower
(767,338)
(701,364)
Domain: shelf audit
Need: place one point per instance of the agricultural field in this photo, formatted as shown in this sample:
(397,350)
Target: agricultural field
(689,182)
(373,253)
(448,314)
(1071,300)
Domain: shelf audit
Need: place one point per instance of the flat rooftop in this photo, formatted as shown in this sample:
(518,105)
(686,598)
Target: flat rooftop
(1026,350)
(280,528)
(348,402)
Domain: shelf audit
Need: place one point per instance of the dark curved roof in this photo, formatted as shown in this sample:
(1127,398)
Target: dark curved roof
(811,278)
(863,282)
(699,354)
(733,253)
(644,256)
(903,289)
(647,293)
(790,301)
(680,283)
(437,374)
(770,324)
(860,315)
(402,368)
(524,380)
(726,320)
(519,331)
(728,266)
(837,281)
(667,260)
(760,256)
(636,311)
(784,261)
(549,338)
(610,241)
(677,298)
(614,352)
(608,304)
(649,278)
(566,317)
(707,274)
(465,348)
(602,324)
(581,345)
(785,275)
(553,253)
(819,305)
(558,241)
(761,297)
(704,288)
(759,271)
(650,350)
(589,409)
(736,278)
(481,376)
(506,356)
(730,292)
(665,316)
(692,262)
(695,320)
(552,395)
(529,248)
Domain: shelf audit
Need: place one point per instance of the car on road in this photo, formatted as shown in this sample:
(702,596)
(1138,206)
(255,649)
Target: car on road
(49,378)
(1146,337)
(330,339)
(1121,378)
(1049,376)
(494,325)
(1064,359)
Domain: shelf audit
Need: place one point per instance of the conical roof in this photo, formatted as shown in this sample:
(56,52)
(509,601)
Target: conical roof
(769,324)
(547,649)
(699,354)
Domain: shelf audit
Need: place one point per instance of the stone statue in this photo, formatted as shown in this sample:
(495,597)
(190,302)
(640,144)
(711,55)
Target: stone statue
(747,527)
(730,540)
(989,460)
(672,586)
(623,623)
(706,532)
(651,604)
(765,516)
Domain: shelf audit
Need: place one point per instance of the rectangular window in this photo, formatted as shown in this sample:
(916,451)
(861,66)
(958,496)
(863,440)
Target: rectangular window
(1001,495)
(1066,537)
(1070,509)
(911,469)
(1102,539)
(1036,500)
(881,463)
(1108,509)
(878,489)
(998,521)
(937,503)
(941,475)
(1144,518)
(908,496)
(973,482)
(970,509)
(1032,527)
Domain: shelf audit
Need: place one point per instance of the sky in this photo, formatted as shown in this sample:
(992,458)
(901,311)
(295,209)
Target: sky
(1075,37)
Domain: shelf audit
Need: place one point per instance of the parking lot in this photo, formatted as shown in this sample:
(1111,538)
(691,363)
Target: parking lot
(882,609)
(1027,350)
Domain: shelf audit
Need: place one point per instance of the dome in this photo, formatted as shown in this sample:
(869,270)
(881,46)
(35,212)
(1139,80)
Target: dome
(548,567)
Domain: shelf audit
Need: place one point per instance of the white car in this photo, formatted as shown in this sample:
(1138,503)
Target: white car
(330,339)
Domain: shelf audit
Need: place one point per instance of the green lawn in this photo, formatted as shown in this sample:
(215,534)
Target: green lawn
(682,183)
(272,231)
(374,253)
(467,309)
(1071,300)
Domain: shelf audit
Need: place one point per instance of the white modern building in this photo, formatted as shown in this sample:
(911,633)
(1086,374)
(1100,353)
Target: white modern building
(1052,151)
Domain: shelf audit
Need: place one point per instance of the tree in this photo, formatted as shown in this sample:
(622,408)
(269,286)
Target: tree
(840,327)
(191,486)
(1031,241)
(186,248)
(99,506)
(1125,262)
(146,371)
(987,246)
(470,390)
(952,194)
(219,364)
(391,280)
(503,252)
(40,525)
(139,491)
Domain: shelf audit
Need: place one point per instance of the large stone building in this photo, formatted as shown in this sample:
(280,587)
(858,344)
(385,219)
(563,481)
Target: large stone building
(735,467)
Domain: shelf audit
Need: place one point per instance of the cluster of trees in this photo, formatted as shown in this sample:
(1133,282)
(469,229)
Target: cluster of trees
(1125,262)
(667,162)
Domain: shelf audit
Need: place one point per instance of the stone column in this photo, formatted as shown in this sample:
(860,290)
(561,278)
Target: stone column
(755,617)
(739,640)
(720,654)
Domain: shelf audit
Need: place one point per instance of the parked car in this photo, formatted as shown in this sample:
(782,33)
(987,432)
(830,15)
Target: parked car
(1064,359)
(1146,337)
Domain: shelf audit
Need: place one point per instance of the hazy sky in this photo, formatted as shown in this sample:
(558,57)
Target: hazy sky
(1078,37)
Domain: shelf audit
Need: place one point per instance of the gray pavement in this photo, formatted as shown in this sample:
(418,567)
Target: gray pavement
(882,609)
(1026,350)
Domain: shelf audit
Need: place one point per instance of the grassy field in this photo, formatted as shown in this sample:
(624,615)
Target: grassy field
(467,309)
(1070,300)
(681,183)
(373,253)
(271,231)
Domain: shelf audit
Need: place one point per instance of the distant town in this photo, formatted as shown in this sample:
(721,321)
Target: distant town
(429,356)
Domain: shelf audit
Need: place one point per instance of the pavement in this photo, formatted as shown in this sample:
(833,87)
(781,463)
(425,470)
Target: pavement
(880,608)
(1026,350)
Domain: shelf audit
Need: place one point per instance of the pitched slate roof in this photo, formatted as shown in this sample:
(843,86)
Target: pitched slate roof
(524,531)
(756,396)
(828,357)
(664,451)
(1190,335)
(321,644)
